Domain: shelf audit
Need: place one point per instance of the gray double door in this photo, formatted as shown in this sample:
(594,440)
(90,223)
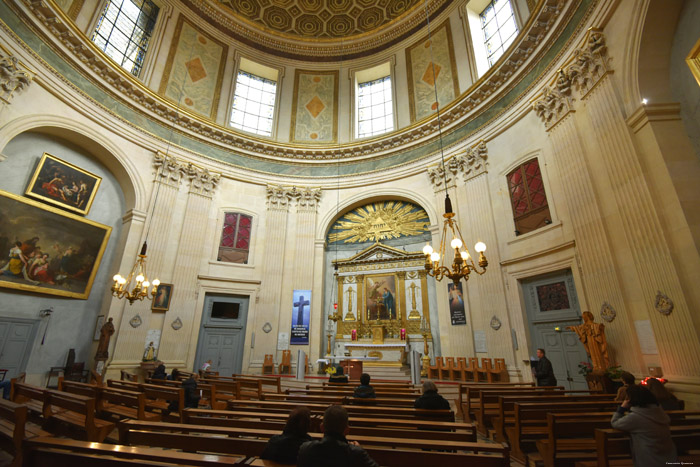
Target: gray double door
(222,335)
(552,305)
(16,339)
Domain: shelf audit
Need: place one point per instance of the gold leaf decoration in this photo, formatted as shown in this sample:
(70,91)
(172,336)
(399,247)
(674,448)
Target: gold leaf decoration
(380,221)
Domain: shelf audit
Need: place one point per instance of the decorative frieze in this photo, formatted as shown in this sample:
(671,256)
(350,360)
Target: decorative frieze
(13,78)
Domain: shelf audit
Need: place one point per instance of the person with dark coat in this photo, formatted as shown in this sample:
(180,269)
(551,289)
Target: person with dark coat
(627,380)
(666,400)
(648,426)
(284,448)
(174,375)
(364,390)
(430,399)
(191,393)
(334,450)
(544,374)
(339,376)
(159,373)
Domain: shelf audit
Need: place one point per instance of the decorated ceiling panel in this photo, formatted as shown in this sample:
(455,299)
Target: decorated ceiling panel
(320,18)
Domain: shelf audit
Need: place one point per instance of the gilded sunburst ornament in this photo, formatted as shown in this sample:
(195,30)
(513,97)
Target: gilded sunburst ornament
(380,221)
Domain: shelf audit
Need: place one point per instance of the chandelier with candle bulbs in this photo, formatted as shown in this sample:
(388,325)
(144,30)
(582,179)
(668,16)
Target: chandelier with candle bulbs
(122,287)
(463,263)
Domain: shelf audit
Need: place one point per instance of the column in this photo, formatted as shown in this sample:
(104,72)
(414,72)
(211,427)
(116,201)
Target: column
(187,266)
(128,349)
(598,269)
(679,349)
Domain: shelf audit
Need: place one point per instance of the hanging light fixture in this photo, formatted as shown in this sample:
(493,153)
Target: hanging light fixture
(122,287)
(436,261)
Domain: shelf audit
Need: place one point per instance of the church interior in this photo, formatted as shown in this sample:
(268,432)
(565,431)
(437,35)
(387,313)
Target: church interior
(263,193)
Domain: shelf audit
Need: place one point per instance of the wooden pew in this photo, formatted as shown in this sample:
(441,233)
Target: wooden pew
(31,396)
(328,400)
(349,393)
(79,412)
(13,418)
(207,388)
(377,388)
(353,410)
(268,382)
(571,436)
(158,397)
(505,419)
(375,384)
(124,404)
(613,446)
(55,452)
(461,395)
(395,429)
(131,430)
(225,390)
(472,400)
(126,376)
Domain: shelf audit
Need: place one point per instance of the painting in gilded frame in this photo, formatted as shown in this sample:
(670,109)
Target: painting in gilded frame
(194,70)
(63,184)
(164,295)
(424,78)
(381,297)
(46,250)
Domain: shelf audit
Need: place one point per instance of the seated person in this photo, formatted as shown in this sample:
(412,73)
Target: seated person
(174,375)
(191,393)
(5,386)
(339,376)
(430,399)
(334,450)
(364,390)
(284,448)
(666,400)
(627,380)
(648,426)
(159,373)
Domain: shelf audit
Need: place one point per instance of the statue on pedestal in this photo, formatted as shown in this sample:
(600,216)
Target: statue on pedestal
(103,347)
(592,335)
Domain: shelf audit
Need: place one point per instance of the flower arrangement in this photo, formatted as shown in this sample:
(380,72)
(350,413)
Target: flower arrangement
(614,372)
(330,370)
(584,368)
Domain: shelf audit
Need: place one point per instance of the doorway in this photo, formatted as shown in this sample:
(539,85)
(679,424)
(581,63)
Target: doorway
(16,340)
(222,335)
(552,305)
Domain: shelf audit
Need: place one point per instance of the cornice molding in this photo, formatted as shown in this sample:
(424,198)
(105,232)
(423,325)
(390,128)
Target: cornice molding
(523,56)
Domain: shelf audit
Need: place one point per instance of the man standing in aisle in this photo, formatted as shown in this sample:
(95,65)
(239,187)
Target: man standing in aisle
(543,372)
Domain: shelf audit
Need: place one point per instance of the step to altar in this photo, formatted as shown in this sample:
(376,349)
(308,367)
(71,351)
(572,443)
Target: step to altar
(393,373)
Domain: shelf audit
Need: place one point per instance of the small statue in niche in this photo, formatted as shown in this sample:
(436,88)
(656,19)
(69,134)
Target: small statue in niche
(149,354)
(103,346)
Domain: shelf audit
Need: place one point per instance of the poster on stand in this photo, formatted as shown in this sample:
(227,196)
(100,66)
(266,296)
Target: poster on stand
(301,313)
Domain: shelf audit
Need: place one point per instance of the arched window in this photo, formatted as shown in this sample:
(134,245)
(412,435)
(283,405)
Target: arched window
(528,198)
(235,238)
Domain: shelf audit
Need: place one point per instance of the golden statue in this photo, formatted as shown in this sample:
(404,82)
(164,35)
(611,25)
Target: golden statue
(592,335)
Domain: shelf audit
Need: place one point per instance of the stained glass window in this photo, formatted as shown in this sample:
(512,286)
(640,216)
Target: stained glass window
(528,198)
(375,112)
(235,238)
(499,28)
(254,104)
(124,30)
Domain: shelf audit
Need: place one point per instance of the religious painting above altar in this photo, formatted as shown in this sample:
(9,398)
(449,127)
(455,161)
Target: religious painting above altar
(380,300)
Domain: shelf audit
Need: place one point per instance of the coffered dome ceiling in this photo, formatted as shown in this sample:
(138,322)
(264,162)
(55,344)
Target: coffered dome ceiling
(317,30)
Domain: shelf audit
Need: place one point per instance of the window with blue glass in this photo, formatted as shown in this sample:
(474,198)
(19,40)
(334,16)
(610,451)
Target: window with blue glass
(254,104)
(499,28)
(124,30)
(375,112)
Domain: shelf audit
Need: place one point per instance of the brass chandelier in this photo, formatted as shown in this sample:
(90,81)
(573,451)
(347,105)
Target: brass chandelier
(436,261)
(122,285)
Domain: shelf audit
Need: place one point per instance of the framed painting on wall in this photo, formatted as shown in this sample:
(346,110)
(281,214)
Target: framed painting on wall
(381,297)
(63,184)
(47,250)
(164,295)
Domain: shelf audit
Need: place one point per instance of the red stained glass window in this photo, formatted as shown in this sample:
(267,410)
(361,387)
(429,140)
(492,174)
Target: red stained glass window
(235,238)
(528,198)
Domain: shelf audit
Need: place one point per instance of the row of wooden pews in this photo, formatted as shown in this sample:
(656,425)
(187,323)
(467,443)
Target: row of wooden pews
(449,368)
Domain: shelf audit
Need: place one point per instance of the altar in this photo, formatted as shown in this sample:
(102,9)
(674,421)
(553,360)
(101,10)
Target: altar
(386,354)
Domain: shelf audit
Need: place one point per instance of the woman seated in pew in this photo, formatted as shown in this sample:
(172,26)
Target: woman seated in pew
(666,400)
(284,448)
(648,426)
(364,390)
(174,375)
(627,380)
(339,376)
(430,399)
(159,373)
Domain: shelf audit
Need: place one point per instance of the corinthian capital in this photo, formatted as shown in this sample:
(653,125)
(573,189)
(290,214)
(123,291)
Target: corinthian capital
(308,199)
(279,197)
(12,78)
(438,176)
(556,102)
(168,169)
(473,162)
(202,181)
(590,62)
